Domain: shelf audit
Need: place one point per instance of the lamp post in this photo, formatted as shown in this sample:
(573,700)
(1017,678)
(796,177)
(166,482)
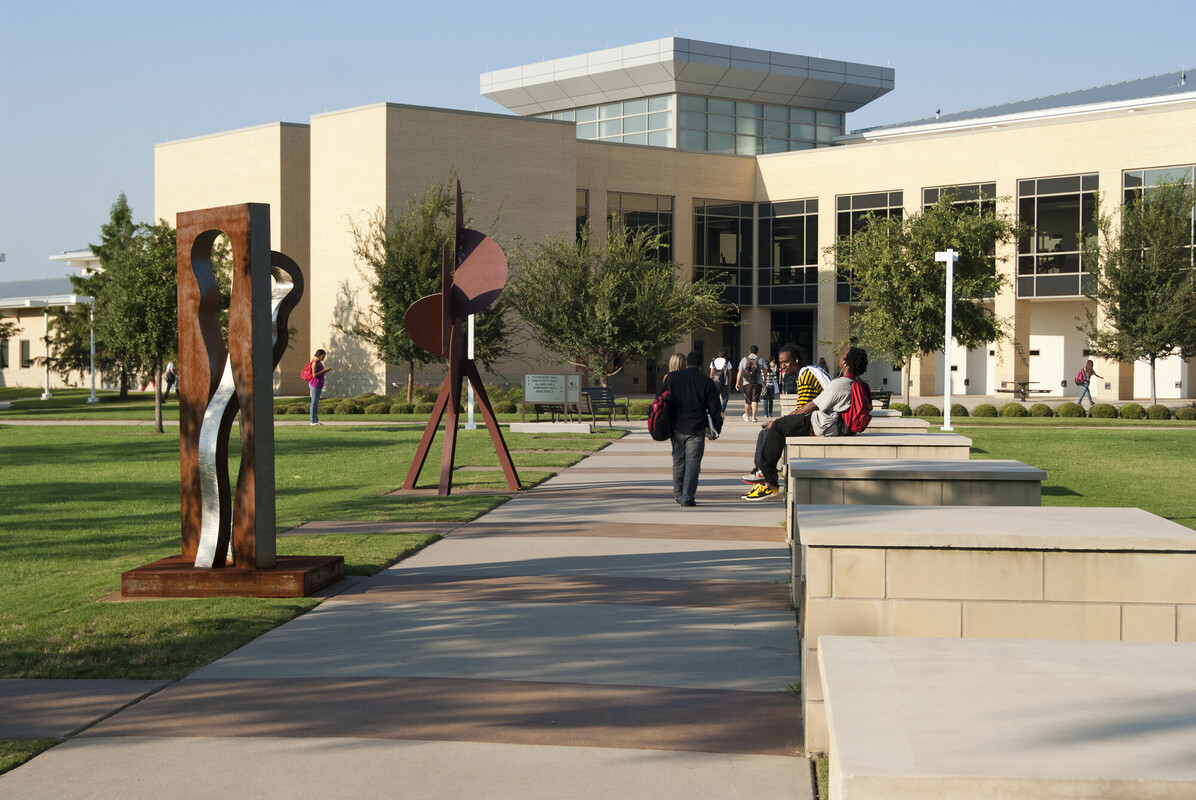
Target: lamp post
(949,257)
(470,425)
(92,331)
(46,341)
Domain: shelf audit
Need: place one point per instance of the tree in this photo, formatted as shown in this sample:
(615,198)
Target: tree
(891,268)
(1143,282)
(137,312)
(601,308)
(399,259)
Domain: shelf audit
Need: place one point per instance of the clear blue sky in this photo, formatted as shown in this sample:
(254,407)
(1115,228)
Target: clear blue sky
(87,88)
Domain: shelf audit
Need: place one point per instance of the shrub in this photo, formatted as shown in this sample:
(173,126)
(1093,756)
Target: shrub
(1041,410)
(959,410)
(1132,411)
(985,410)
(424,408)
(328,406)
(1103,411)
(927,410)
(402,408)
(1070,410)
(368,399)
(279,410)
(377,408)
(1158,411)
(506,407)
(349,407)
(298,409)
(1014,410)
(639,408)
(903,408)
(1186,413)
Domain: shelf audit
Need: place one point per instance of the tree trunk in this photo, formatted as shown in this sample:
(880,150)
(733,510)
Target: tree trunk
(124,384)
(906,378)
(1153,398)
(410,381)
(158,398)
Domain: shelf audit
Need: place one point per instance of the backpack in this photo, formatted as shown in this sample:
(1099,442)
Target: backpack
(1081,377)
(751,371)
(660,416)
(307,373)
(720,371)
(857,416)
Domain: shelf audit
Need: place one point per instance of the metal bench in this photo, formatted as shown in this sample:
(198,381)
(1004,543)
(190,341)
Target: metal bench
(602,401)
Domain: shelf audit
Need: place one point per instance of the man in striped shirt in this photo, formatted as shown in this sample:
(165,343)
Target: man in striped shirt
(795,377)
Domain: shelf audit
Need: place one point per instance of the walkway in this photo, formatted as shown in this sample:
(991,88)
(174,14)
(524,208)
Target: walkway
(588,639)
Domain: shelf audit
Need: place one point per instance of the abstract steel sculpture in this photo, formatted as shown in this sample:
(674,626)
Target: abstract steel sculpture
(228,540)
(472,278)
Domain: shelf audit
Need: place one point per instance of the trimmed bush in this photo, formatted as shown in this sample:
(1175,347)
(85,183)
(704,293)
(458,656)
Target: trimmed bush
(1103,411)
(905,410)
(1186,413)
(280,410)
(298,409)
(1041,410)
(1132,411)
(377,408)
(927,410)
(506,407)
(424,408)
(639,408)
(959,410)
(402,408)
(1158,411)
(1014,410)
(985,410)
(1070,410)
(368,399)
(349,407)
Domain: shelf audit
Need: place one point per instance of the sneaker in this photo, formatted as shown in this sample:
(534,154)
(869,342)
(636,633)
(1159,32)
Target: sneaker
(755,476)
(761,491)
(317,423)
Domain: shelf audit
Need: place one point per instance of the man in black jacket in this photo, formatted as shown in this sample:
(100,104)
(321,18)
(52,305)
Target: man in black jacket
(694,396)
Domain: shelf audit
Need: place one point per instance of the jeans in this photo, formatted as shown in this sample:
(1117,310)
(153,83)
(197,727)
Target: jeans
(1086,393)
(774,443)
(315,403)
(726,394)
(687,461)
(768,394)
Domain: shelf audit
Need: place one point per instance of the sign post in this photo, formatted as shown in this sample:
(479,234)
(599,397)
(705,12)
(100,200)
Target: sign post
(949,257)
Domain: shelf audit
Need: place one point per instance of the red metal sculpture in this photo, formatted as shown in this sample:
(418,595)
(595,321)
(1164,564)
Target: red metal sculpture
(472,278)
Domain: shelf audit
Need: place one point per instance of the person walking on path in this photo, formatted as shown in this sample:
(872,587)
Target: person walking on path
(1089,372)
(720,373)
(748,382)
(771,387)
(172,378)
(819,417)
(695,400)
(316,382)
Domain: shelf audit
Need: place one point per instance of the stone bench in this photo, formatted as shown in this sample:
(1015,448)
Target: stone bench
(881,444)
(898,423)
(951,718)
(986,572)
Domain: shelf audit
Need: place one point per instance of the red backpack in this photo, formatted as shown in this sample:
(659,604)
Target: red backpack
(660,417)
(307,373)
(857,416)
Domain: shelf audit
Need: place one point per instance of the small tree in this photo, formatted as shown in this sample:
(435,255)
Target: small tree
(603,308)
(137,313)
(399,259)
(1143,284)
(902,289)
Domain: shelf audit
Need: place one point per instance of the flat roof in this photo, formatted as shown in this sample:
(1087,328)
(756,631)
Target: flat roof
(673,65)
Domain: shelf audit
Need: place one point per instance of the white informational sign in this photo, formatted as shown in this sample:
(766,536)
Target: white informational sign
(551,388)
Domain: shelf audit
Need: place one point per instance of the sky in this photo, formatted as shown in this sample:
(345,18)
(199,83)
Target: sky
(87,89)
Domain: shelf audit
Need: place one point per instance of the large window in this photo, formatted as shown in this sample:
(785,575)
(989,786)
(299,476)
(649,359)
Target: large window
(723,246)
(852,213)
(26,358)
(1142,180)
(788,266)
(979,198)
(729,126)
(1060,210)
(646,120)
(583,210)
(646,211)
(3,354)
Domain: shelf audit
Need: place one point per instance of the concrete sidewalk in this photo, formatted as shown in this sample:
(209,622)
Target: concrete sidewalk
(588,639)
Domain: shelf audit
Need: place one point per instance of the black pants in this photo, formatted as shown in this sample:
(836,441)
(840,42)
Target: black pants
(774,443)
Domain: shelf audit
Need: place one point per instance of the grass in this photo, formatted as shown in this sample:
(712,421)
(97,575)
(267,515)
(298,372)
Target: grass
(15,752)
(822,769)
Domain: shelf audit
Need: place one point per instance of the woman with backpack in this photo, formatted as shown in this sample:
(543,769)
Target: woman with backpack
(314,373)
(720,373)
(1084,378)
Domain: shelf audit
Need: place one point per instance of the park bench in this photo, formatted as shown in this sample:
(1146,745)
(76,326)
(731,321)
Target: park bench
(602,400)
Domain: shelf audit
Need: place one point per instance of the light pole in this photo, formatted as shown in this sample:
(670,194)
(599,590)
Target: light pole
(949,257)
(46,341)
(91,318)
(470,425)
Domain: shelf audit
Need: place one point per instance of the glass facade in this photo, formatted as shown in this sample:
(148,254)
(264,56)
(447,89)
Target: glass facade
(1060,211)
(26,358)
(851,214)
(723,246)
(713,125)
(788,256)
(980,198)
(650,211)
(3,354)
(1141,180)
(645,120)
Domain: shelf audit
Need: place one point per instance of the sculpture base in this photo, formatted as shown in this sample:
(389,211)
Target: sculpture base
(294,576)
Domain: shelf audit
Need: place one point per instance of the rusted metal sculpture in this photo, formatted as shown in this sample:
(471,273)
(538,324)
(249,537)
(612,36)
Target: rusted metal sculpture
(472,278)
(228,540)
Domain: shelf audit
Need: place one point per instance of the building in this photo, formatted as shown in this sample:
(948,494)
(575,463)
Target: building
(743,158)
(26,306)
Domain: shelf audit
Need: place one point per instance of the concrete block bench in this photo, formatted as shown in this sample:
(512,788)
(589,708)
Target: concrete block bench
(881,444)
(987,572)
(941,718)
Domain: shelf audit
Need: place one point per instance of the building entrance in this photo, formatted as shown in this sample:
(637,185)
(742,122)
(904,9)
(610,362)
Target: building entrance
(796,327)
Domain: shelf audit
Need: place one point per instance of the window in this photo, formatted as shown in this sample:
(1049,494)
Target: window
(1060,211)
(646,211)
(1142,180)
(583,210)
(728,126)
(788,265)
(26,359)
(723,246)
(980,198)
(853,212)
(3,354)
(645,120)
